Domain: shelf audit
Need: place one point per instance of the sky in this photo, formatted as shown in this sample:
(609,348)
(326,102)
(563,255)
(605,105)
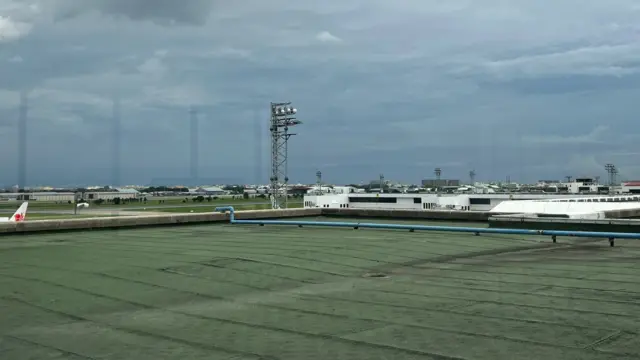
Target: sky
(524,89)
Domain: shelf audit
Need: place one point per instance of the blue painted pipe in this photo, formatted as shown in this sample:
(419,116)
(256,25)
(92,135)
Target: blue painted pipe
(553,233)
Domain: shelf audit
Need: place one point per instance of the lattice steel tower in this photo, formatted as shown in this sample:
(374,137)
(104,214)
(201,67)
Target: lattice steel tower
(282,117)
(612,171)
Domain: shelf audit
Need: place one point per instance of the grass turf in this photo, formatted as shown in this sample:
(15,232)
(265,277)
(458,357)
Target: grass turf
(168,202)
(199,209)
(275,292)
(36,216)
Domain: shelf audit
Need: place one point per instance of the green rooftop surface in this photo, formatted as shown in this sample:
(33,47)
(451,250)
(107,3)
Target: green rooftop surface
(247,292)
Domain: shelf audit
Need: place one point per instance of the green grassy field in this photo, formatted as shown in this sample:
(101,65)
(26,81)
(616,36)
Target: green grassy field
(32,216)
(287,293)
(197,209)
(49,205)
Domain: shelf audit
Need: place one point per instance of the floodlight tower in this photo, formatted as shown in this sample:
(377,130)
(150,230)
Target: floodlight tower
(611,170)
(472,177)
(282,117)
(381,183)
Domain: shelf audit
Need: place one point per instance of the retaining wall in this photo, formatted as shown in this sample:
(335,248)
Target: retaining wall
(475,216)
(617,225)
(148,220)
(606,225)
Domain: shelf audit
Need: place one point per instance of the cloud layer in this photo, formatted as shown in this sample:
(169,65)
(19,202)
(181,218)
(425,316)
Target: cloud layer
(520,88)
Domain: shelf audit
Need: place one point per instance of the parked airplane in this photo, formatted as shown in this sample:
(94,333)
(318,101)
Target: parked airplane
(20,214)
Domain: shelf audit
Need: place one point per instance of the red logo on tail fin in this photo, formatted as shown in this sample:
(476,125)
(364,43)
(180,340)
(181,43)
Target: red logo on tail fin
(19,217)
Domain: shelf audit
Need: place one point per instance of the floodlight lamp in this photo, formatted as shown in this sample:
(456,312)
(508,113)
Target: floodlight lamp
(289,110)
(294,110)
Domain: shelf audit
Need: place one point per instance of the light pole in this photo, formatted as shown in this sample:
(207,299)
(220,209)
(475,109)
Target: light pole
(612,171)
(282,117)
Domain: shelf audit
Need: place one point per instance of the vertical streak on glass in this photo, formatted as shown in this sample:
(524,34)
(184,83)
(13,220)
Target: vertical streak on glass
(117,143)
(193,155)
(258,143)
(22,141)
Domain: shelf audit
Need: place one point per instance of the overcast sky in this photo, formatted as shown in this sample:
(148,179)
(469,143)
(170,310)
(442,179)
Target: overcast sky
(523,88)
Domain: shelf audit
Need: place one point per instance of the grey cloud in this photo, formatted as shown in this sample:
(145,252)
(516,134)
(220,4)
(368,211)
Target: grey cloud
(412,84)
(165,12)
(565,84)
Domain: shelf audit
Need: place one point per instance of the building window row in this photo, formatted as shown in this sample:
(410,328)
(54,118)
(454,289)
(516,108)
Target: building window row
(479,201)
(373,199)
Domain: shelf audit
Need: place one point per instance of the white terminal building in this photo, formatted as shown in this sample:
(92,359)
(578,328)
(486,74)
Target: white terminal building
(574,206)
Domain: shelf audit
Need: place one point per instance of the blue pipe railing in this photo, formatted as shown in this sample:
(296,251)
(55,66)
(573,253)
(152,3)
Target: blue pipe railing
(477,231)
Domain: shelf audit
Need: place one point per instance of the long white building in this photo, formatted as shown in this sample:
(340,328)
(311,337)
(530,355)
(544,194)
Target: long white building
(524,205)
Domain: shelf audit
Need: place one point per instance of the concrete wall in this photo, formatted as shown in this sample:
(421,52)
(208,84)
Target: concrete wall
(203,218)
(409,214)
(149,220)
(619,225)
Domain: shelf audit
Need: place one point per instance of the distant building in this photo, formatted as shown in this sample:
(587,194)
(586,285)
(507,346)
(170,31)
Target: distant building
(440,183)
(631,187)
(212,190)
(130,191)
(298,190)
(37,196)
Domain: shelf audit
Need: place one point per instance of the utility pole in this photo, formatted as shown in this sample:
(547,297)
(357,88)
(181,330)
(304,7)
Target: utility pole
(22,141)
(319,181)
(193,166)
(258,148)
(76,197)
(116,143)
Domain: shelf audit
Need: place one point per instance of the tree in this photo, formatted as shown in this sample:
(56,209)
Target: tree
(245,195)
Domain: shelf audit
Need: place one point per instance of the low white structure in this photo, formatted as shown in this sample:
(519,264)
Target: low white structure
(631,187)
(593,207)
(522,205)
(37,196)
(467,202)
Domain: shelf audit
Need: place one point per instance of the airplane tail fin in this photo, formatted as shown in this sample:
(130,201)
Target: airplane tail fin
(21,213)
